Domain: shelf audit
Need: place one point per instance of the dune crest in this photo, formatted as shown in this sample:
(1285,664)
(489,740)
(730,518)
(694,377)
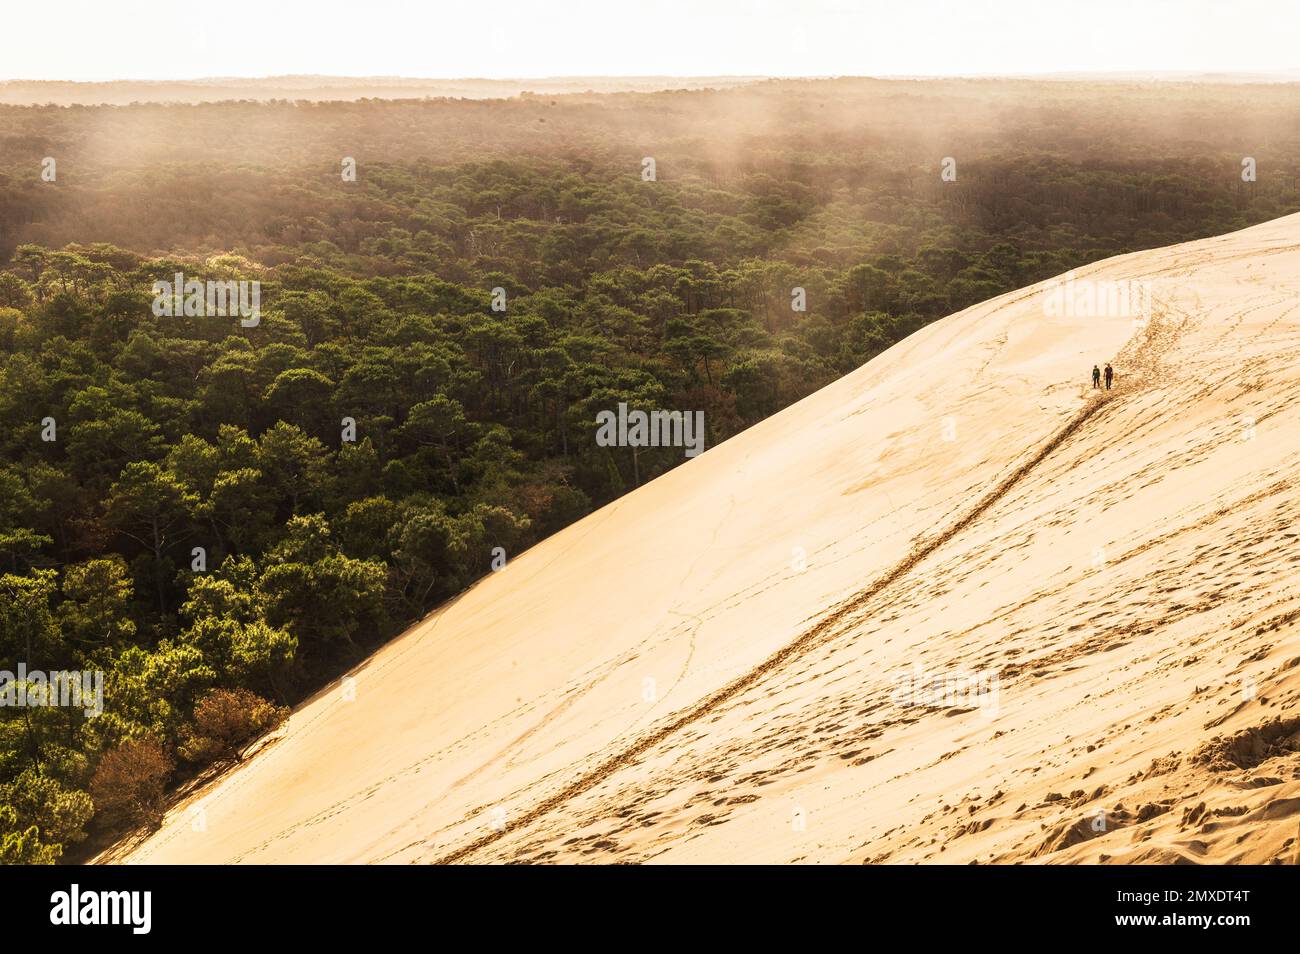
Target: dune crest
(956,607)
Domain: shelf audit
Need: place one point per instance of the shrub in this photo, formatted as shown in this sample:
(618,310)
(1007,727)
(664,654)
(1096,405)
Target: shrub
(128,783)
(59,814)
(18,847)
(224,720)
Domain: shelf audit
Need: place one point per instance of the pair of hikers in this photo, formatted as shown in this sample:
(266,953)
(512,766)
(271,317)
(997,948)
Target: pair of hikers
(1096,376)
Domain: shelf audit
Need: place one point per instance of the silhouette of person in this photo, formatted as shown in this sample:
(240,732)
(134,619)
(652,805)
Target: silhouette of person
(1110,375)
(1096,376)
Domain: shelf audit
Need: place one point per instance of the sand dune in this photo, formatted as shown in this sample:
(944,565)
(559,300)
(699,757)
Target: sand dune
(956,607)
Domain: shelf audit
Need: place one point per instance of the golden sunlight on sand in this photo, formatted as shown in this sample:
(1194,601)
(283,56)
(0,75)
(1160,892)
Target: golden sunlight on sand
(958,606)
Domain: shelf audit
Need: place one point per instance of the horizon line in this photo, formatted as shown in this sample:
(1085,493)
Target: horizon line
(1275,74)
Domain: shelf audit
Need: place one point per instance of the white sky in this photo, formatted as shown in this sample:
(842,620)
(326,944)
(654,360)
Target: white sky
(180,39)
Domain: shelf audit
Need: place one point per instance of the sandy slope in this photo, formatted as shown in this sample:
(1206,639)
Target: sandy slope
(710,668)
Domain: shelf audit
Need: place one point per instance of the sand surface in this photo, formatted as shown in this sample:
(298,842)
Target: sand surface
(955,607)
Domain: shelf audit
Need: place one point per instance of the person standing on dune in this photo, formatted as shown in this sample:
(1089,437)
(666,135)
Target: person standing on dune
(1096,376)
(1110,375)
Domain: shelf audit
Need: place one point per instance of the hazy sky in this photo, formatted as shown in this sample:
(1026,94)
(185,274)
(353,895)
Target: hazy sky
(161,39)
